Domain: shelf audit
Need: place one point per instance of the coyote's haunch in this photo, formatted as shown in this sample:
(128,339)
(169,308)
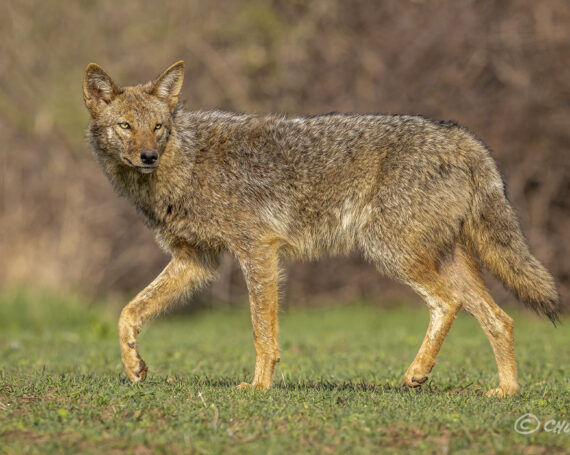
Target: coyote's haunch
(422,200)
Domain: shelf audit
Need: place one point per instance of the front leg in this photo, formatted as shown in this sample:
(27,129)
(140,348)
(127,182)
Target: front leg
(176,281)
(260,268)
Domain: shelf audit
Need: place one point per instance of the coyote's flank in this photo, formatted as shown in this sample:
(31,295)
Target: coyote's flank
(422,200)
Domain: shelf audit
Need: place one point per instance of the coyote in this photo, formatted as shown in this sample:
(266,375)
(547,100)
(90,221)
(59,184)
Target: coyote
(422,200)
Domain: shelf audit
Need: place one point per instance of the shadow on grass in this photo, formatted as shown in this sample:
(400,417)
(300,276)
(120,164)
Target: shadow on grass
(365,386)
(320,385)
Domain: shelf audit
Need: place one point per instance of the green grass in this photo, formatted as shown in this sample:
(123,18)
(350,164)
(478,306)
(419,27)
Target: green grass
(337,388)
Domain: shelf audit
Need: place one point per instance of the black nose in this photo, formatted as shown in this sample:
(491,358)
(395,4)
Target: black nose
(148,156)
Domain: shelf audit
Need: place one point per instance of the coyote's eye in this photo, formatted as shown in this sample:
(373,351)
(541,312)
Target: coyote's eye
(125,125)
(158,126)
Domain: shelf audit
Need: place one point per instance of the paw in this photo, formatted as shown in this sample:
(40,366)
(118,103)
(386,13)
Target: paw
(254,386)
(414,381)
(503,391)
(135,367)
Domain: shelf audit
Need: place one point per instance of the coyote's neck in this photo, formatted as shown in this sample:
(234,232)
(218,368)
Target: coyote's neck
(155,195)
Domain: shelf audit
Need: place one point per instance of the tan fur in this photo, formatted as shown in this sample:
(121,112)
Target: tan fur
(422,200)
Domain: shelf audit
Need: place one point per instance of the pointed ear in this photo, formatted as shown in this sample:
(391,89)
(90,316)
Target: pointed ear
(98,89)
(167,86)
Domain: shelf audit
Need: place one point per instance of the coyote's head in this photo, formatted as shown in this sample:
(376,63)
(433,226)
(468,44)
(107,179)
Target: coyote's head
(132,124)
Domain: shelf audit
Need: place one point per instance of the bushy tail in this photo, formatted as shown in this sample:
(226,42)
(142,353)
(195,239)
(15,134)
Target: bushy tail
(494,234)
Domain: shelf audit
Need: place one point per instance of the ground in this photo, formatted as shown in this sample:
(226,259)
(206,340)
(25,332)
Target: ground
(337,388)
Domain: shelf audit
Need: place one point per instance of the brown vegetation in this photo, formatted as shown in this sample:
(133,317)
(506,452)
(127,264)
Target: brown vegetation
(499,68)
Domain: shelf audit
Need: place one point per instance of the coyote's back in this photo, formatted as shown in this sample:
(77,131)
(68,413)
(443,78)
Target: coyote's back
(423,200)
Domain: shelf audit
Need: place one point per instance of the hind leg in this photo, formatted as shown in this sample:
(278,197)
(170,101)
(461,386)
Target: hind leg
(457,283)
(435,286)
(498,327)
(442,314)
(454,283)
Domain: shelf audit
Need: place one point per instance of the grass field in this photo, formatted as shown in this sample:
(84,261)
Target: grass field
(337,388)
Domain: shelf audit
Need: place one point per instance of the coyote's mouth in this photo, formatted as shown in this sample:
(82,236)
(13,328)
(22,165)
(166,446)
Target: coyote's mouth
(144,169)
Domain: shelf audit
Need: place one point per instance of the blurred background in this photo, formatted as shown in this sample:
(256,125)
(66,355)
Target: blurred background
(500,68)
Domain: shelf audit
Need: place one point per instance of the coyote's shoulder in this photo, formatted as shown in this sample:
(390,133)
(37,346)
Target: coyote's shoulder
(422,200)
